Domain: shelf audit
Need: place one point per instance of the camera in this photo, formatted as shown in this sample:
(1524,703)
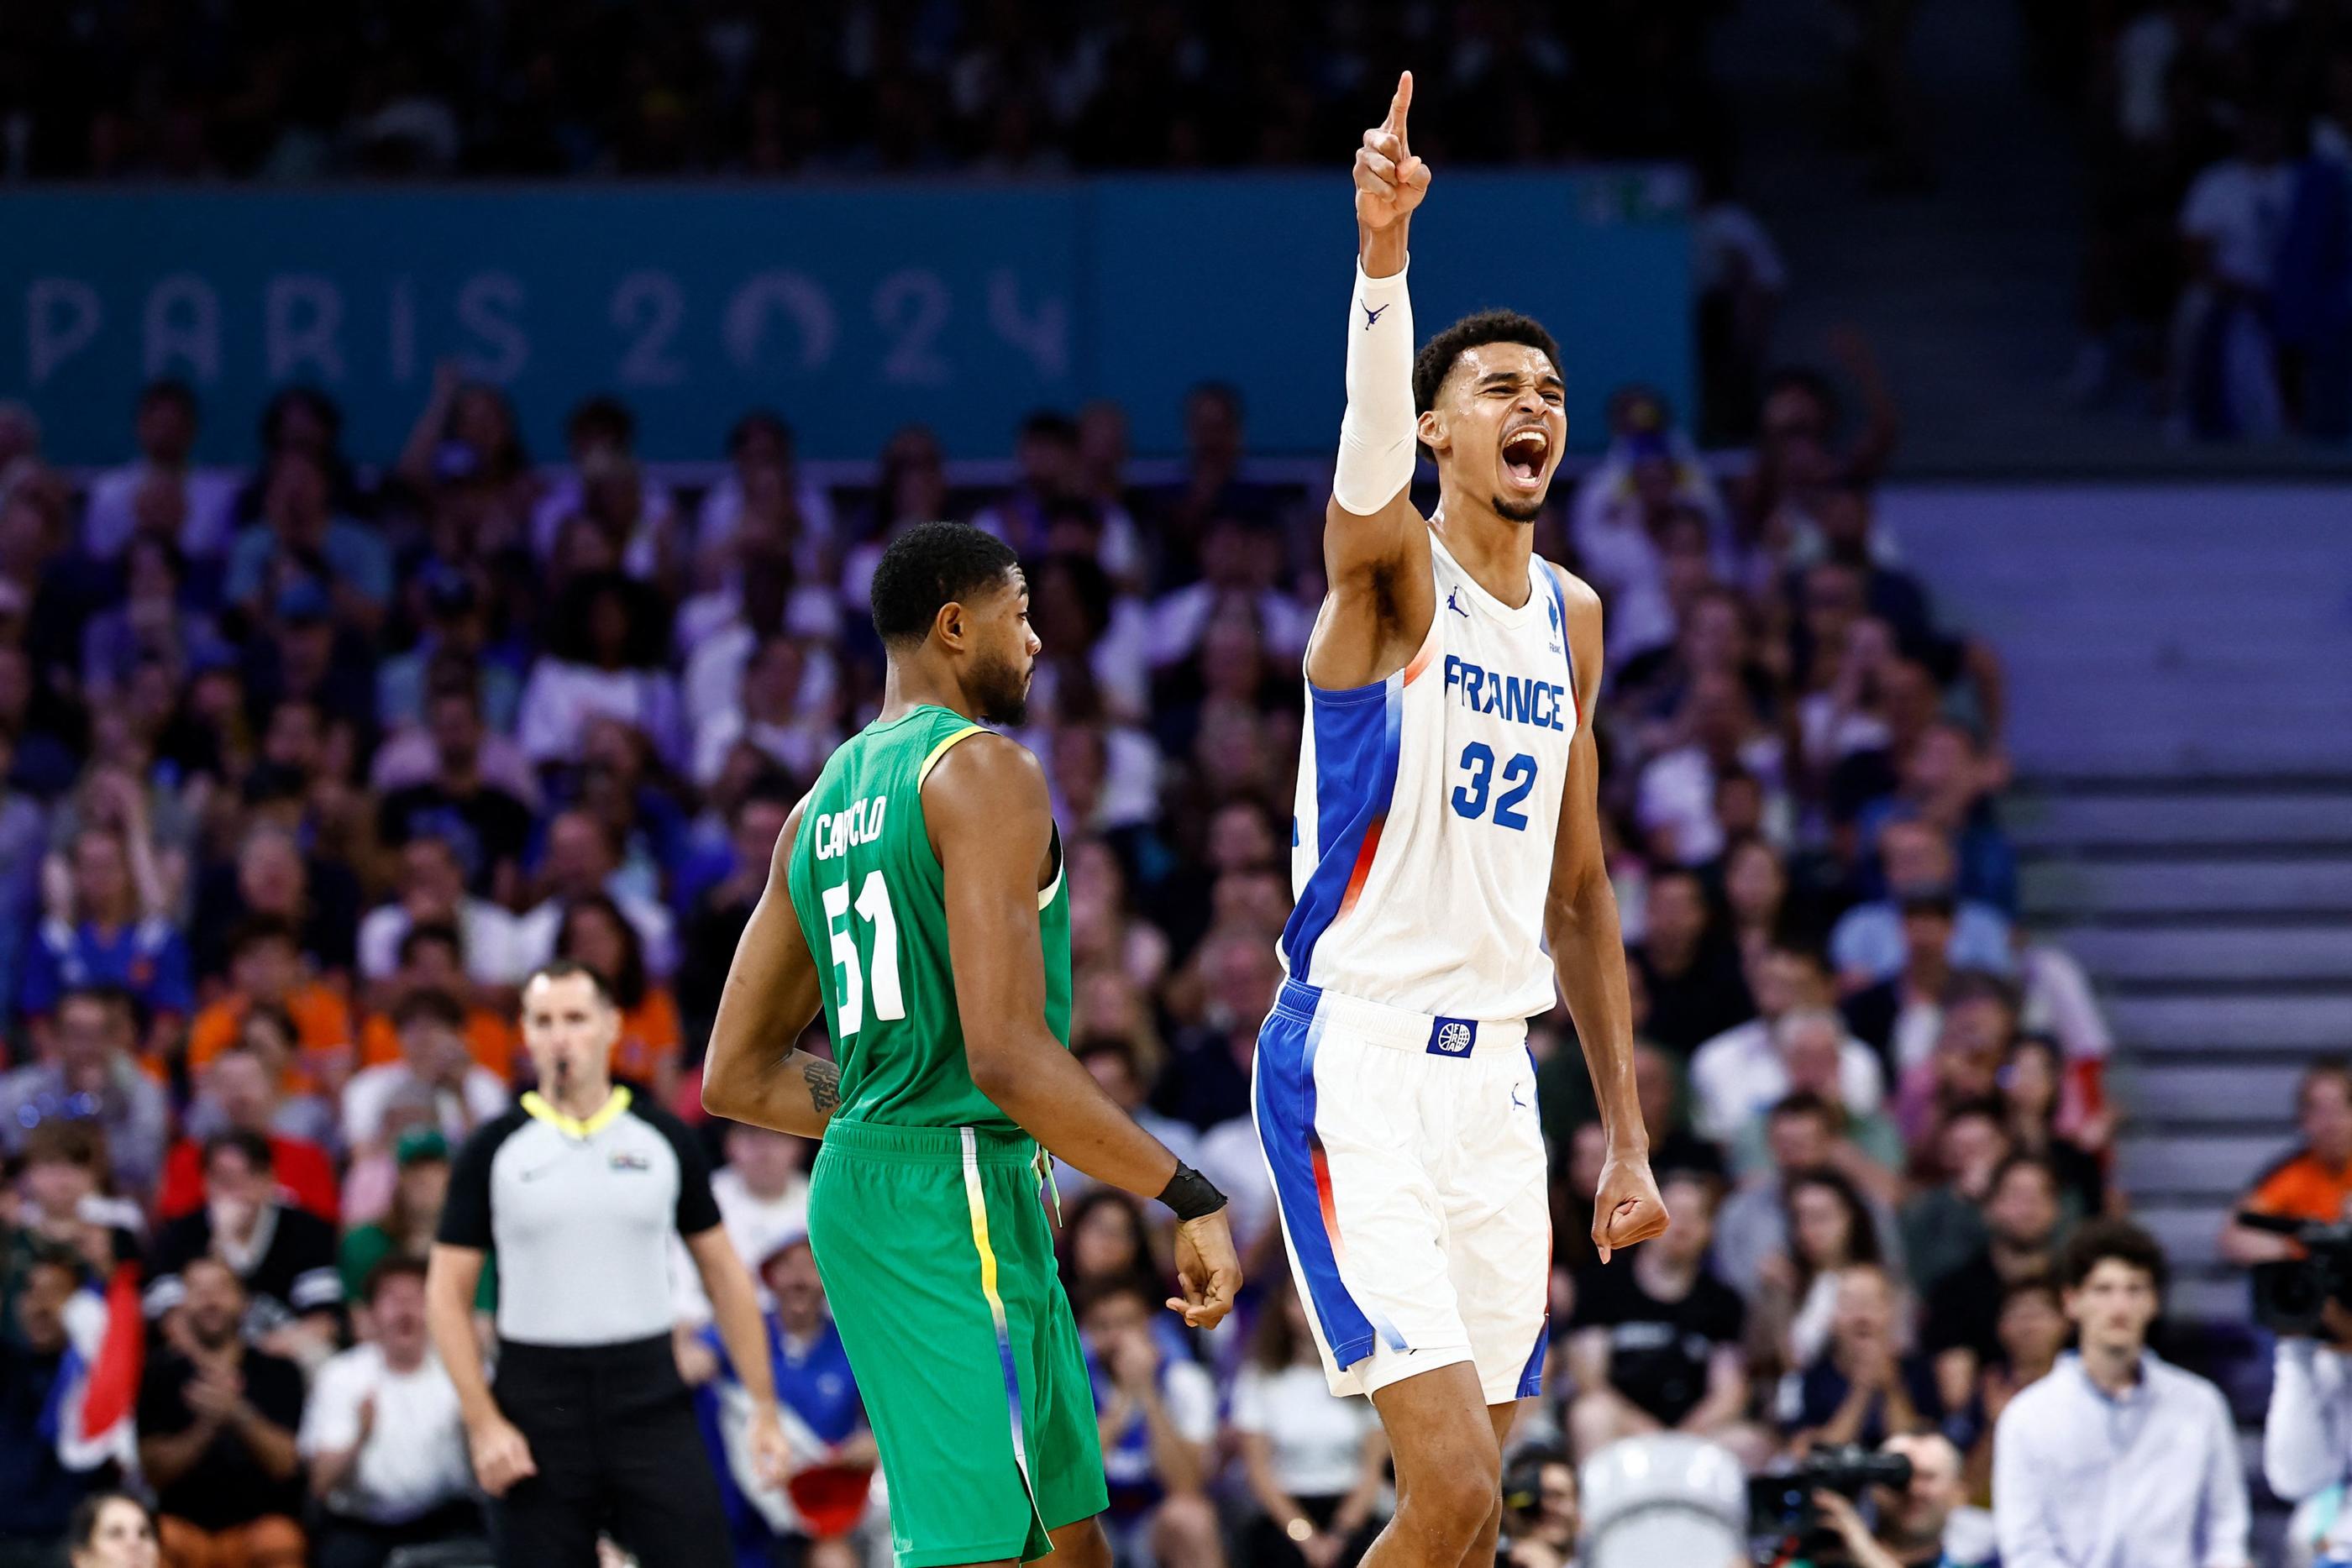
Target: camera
(2291,1294)
(1781,1519)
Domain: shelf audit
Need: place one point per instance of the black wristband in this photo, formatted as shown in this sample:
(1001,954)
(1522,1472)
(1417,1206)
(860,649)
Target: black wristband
(1190,1194)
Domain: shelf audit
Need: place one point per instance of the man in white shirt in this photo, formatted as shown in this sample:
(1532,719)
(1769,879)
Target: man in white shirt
(1739,1074)
(581,859)
(384,1436)
(161,482)
(2117,1456)
(432,890)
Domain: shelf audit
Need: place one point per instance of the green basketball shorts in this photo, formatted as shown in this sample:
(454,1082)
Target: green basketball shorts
(938,1266)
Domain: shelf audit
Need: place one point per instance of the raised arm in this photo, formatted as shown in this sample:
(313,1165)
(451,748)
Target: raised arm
(771,995)
(1379,609)
(992,824)
(1588,952)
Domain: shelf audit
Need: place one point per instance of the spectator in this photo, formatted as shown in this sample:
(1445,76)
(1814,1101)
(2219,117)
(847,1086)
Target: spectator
(216,1425)
(266,970)
(63,1204)
(1868,945)
(116,934)
(714,924)
(1979,1024)
(1676,795)
(161,497)
(761,444)
(2032,1087)
(1830,1228)
(2032,1331)
(1206,1079)
(280,1259)
(1315,1463)
(431,960)
(1541,1517)
(582,859)
(302,539)
(1656,1345)
(1690,971)
(90,1076)
(833,1449)
(152,628)
(1800,1134)
(274,879)
(604,659)
(420,1157)
(1158,1416)
(2059,1006)
(1810,1042)
(383,1436)
(484,825)
(433,1062)
(38,1492)
(1962,1330)
(1113,1063)
(2118,1456)
(2223,358)
(596,935)
(600,436)
(762,1192)
(453,656)
(2315,1182)
(1901,1016)
(241,1093)
(431,891)
(1740,1073)
(1926,1524)
(112,1530)
(1943,1220)
(1864,1387)
(774,717)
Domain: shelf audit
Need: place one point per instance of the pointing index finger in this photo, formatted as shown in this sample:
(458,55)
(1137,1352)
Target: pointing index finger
(1399,105)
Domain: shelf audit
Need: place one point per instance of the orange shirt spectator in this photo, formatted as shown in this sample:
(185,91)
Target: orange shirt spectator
(490,1041)
(266,967)
(596,933)
(2316,1181)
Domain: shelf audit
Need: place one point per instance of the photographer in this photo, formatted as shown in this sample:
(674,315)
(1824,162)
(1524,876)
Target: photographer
(1923,1525)
(1541,1515)
(2307,1431)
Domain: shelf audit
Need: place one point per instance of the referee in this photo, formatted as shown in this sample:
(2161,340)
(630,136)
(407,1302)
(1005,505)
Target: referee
(589,1428)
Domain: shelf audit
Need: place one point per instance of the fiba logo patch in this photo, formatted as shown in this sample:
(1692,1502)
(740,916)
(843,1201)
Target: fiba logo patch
(1452,1037)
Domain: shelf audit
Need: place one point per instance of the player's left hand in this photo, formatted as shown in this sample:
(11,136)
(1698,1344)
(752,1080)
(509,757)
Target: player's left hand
(1208,1270)
(771,1455)
(1626,1207)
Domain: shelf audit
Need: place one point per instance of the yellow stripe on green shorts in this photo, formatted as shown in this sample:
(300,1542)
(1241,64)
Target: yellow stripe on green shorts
(976,1197)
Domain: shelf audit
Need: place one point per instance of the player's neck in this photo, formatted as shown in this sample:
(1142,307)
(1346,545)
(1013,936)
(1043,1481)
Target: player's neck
(1491,547)
(911,683)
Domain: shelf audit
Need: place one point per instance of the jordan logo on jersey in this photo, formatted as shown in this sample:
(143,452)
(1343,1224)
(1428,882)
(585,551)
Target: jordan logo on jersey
(1452,1037)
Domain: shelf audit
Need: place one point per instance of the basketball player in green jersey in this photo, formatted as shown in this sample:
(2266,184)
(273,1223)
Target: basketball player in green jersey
(917,895)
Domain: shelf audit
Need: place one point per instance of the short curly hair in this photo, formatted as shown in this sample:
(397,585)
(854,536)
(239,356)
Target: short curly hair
(929,565)
(1440,354)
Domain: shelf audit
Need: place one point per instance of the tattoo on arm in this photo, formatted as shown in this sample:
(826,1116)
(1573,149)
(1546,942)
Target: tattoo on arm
(824,1081)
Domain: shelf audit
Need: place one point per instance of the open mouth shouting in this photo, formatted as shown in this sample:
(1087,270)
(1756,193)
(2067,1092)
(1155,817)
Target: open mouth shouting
(1527,455)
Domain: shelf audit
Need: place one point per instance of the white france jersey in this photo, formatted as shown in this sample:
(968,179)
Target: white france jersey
(1428,804)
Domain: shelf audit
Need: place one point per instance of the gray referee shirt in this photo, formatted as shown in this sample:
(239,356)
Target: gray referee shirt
(580,1214)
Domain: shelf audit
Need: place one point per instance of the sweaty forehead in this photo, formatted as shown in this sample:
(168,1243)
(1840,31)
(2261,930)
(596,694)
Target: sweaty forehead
(1522,362)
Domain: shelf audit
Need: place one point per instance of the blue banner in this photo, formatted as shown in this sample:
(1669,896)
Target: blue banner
(852,309)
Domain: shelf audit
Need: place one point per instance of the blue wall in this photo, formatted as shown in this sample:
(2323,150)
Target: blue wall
(853,309)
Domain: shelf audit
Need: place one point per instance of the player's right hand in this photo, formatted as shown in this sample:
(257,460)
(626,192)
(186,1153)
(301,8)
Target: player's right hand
(501,1456)
(1389,181)
(1208,1270)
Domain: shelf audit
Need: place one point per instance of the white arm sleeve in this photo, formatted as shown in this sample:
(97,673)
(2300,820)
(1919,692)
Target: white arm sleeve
(2305,1447)
(1376,435)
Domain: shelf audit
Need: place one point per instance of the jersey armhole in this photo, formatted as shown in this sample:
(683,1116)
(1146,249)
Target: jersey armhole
(923,772)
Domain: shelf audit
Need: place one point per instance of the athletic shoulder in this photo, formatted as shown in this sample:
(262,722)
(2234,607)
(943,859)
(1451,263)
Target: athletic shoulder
(1579,596)
(988,771)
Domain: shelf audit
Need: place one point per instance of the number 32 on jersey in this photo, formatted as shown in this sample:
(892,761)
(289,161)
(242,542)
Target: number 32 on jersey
(1470,795)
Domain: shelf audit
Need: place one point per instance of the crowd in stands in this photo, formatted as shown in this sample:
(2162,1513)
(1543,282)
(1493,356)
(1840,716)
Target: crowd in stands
(252,89)
(307,767)
(2219,262)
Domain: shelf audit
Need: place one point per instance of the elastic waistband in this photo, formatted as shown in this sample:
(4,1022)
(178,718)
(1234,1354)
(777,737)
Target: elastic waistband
(927,1145)
(1400,1028)
(518,1355)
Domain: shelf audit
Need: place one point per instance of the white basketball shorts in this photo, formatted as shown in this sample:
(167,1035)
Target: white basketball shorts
(1408,1165)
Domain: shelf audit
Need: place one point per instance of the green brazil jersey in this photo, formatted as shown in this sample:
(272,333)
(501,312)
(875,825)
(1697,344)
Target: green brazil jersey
(872,901)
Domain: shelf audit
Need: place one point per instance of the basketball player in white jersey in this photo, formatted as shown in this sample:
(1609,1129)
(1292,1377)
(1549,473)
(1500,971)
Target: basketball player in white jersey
(1448,868)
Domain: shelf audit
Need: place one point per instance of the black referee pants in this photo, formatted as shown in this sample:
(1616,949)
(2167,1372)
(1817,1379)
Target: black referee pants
(612,1429)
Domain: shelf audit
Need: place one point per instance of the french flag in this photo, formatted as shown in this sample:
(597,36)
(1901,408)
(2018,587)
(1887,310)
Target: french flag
(96,1391)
